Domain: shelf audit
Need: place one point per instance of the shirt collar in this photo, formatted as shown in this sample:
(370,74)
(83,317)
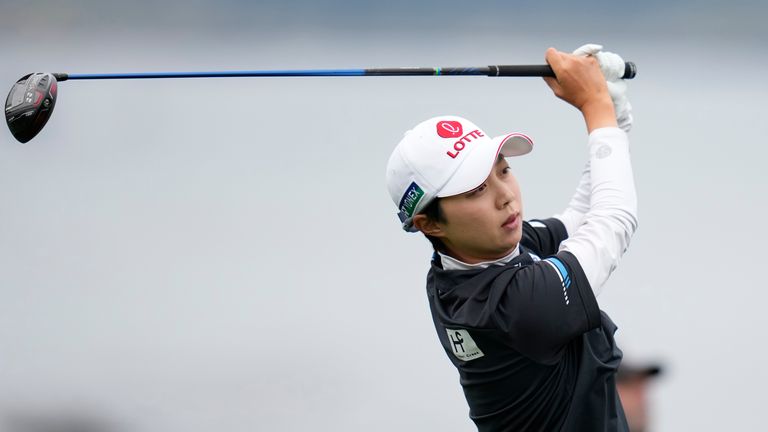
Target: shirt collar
(451,263)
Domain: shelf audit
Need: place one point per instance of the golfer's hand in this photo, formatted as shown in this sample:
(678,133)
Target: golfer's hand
(579,81)
(612,66)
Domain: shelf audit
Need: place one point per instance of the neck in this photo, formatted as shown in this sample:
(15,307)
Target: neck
(450,262)
(475,259)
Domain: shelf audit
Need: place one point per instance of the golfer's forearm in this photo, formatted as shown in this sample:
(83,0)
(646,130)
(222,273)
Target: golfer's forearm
(599,113)
(607,228)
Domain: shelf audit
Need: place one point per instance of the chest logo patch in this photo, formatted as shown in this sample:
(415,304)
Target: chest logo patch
(462,345)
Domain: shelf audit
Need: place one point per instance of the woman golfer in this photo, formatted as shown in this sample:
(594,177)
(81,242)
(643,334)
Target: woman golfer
(513,301)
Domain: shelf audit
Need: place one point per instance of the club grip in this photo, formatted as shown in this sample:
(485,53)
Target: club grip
(630,70)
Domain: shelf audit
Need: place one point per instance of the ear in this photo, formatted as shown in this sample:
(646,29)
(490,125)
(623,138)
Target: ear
(428,226)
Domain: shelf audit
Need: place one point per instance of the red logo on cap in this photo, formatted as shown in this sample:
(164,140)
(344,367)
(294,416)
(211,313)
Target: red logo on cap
(449,129)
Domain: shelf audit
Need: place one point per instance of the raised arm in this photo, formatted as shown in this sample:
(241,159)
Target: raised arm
(612,66)
(605,231)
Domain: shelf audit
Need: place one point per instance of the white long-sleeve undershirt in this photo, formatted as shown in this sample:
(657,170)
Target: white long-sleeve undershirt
(573,215)
(579,204)
(602,215)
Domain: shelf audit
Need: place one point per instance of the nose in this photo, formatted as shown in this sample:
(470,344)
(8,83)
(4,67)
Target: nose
(505,194)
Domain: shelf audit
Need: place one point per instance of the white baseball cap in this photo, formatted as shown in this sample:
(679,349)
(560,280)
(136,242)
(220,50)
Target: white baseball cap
(444,156)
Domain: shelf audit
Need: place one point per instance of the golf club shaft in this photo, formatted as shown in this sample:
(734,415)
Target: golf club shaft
(493,71)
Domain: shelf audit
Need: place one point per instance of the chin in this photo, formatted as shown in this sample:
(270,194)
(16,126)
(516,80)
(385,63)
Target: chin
(515,238)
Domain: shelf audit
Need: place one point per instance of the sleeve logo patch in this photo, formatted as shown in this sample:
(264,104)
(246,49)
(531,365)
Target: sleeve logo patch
(462,345)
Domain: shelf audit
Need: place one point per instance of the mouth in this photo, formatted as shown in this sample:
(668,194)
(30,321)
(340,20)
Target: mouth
(512,222)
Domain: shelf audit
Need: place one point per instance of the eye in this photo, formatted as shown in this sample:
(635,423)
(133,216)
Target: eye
(477,190)
(506,170)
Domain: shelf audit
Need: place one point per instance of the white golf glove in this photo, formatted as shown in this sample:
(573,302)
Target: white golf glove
(612,66)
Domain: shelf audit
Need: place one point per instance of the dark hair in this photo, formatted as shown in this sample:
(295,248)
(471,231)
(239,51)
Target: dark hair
(433,212)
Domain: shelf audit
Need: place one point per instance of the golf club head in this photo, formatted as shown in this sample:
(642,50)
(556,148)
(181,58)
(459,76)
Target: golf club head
(30,104)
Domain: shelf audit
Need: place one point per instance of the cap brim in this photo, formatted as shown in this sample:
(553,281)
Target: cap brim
(478,164)
(514,144)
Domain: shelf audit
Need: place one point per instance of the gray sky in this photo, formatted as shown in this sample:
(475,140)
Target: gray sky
(192,255)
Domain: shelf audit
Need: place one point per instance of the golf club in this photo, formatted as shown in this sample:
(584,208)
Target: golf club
(30,104)
(31,100)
